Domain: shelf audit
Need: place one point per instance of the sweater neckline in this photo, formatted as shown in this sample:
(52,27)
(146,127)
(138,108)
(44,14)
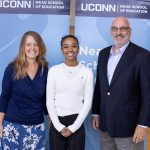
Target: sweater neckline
(71,72)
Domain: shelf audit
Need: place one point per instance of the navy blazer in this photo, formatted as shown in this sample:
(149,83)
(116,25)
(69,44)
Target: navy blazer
(126,101)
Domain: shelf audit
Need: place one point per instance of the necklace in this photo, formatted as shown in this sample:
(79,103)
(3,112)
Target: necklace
(70,72)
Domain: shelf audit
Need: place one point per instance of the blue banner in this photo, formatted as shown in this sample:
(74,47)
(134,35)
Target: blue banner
(113,8)
(60,7)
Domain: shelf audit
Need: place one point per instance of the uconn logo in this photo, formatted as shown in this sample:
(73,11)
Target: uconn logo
(98,7)
(15,4)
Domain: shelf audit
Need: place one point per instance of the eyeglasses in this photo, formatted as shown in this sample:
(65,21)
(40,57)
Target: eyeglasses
(122,29)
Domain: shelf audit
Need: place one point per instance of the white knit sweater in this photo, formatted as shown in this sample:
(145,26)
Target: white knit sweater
(69,91)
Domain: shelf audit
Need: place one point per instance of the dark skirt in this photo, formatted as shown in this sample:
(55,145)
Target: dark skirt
(22,137)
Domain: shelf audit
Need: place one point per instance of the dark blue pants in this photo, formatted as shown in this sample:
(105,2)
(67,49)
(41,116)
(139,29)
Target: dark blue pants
(74,142)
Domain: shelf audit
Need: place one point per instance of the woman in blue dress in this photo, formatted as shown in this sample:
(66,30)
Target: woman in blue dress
(23,97)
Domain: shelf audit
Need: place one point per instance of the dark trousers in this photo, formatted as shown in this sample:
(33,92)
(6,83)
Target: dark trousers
(74,142)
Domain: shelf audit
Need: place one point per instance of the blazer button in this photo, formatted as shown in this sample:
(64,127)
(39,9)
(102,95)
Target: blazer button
(108,93)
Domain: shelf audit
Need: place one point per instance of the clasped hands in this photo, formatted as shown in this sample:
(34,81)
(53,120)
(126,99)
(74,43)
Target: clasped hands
(66,132)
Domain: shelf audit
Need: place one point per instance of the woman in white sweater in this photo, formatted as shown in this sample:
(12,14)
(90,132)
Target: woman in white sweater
(69,98)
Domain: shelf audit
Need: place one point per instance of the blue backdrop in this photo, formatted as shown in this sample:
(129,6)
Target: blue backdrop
(93,22)
(13,26)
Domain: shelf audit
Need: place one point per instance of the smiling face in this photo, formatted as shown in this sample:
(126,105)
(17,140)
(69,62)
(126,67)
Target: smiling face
(120,31)
(31,48)
(70,49)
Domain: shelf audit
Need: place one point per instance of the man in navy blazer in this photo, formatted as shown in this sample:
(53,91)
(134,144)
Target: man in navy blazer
(121,101)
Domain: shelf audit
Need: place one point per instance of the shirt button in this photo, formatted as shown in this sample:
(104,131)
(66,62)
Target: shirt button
(108,93)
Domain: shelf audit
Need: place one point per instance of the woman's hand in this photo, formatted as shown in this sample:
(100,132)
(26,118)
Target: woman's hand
(1,130)
(66,132)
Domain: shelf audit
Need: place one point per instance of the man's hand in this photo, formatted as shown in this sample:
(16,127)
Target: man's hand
(139,134)
(95,122)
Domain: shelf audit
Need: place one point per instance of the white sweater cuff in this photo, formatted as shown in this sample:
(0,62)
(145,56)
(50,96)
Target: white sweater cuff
(72,128)
(59,127)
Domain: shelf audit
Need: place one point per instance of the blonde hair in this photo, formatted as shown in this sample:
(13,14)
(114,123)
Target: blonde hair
(20,63)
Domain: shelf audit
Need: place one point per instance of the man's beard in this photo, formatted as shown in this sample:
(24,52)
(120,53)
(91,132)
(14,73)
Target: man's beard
(120,44)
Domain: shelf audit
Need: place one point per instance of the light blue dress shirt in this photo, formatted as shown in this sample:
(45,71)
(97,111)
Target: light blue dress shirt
(113,60)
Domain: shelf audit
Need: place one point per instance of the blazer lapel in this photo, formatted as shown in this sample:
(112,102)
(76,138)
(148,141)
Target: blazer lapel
(104,62)
(123,62)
